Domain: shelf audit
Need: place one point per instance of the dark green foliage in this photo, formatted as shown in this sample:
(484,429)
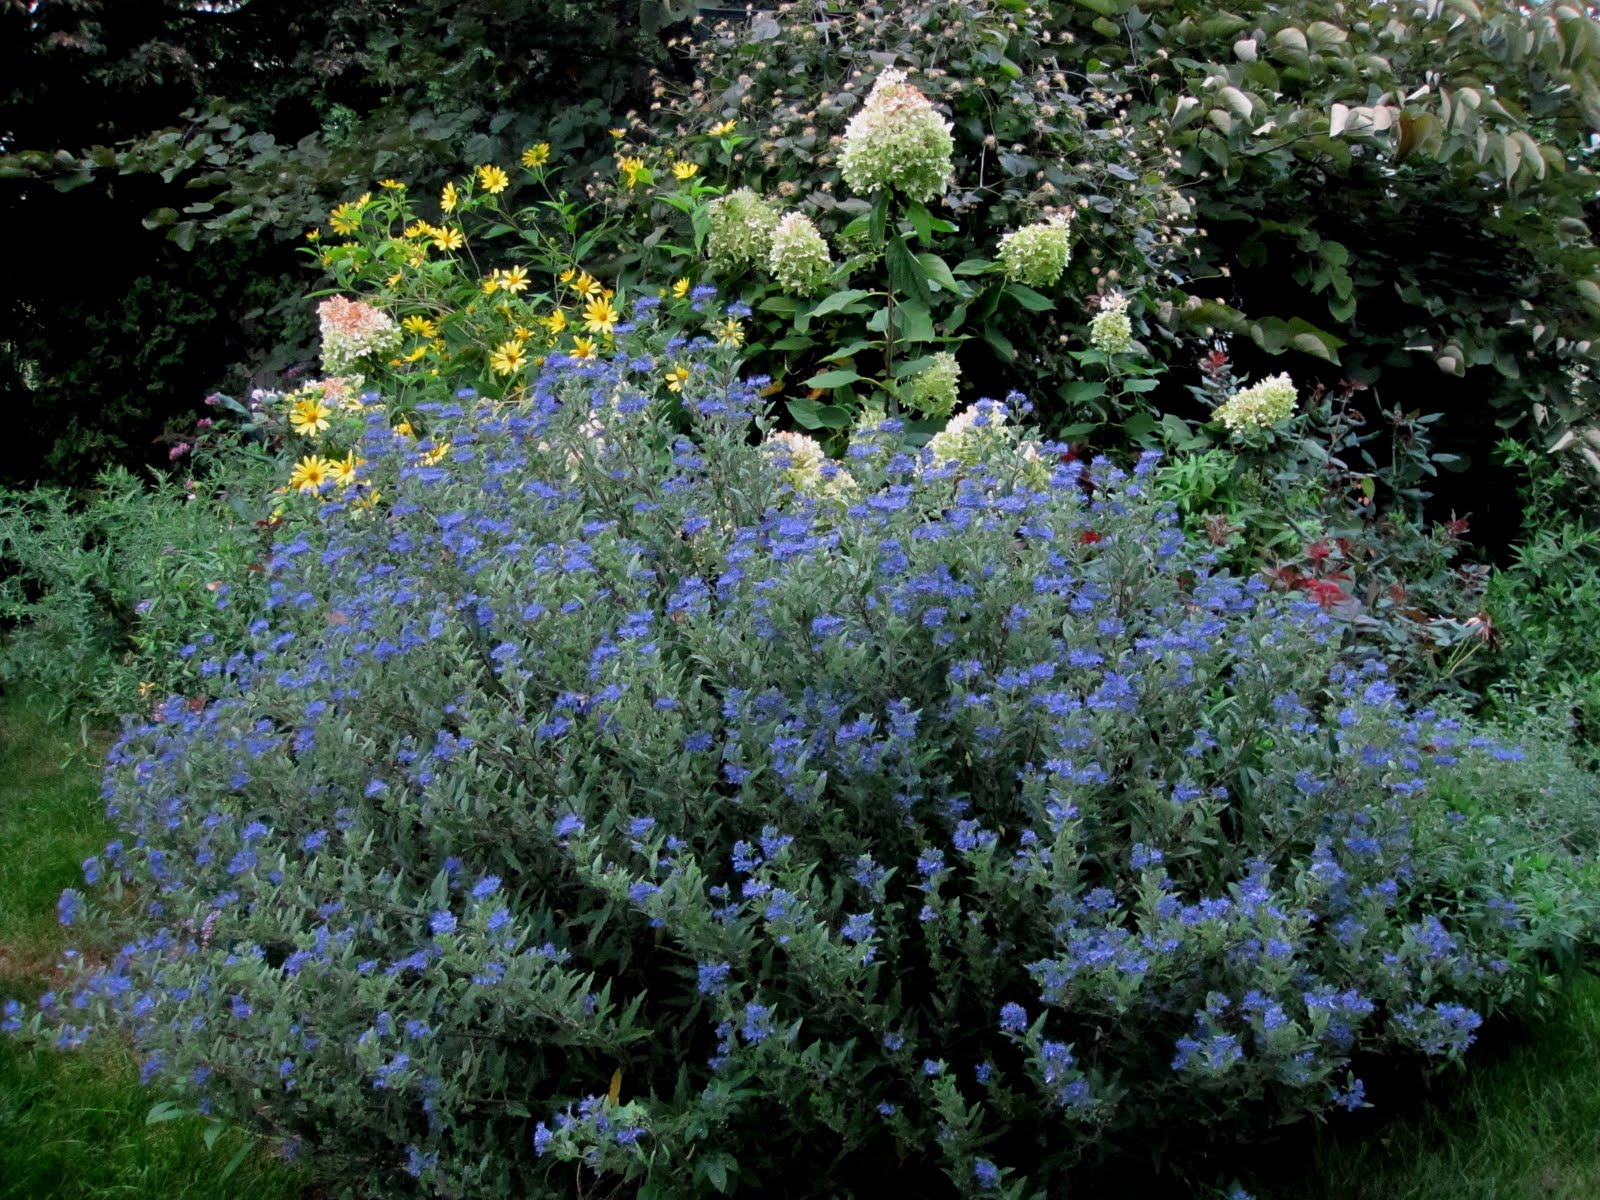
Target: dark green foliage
(1543,602)
(230,129)
(98,589)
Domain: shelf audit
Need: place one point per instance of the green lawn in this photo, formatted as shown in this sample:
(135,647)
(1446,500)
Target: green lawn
(1523,1123)
(72,1126)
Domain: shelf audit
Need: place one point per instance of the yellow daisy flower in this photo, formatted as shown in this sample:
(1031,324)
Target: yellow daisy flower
(566,276)
(617,133)
(344,469)
(588,285)
(730,333)
(413,355)
(514,280)
(494,180)
(682,171)
(449,198)
(417,228)
(536,156)
(680,288)
(435,456)
(449,239)
(633,170)
(346,218)
(313,234)
(508,358)
(723,128)
(310,473)
(492,284)
(555,322)
(582,347)
(309,416)
(420,326)
(392,184)
(677,377)
(600,316)
(404,428)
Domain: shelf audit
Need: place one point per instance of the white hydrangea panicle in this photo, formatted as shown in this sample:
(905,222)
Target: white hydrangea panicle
(969,432)
(897,141)
(353,330)
(1257,407)
(1037,254)
(1111,332)
(806,465)
(740,233)
(798,258)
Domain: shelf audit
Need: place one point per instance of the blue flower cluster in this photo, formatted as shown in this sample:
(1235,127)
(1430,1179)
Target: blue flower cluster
(958,807)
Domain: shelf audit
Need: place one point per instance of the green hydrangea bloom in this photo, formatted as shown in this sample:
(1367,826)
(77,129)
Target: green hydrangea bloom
(1111,331)
(740,233)
(1037,254)
(932,391)
(798,258)
(899,141)
(1258,407)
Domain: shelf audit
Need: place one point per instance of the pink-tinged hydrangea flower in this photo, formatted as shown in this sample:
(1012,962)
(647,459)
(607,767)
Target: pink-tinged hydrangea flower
(740,233)
(1258,407)
(1037,254)
(899,141)
(352,330)
(798,258)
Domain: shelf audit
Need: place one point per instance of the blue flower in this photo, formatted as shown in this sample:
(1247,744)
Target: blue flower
(857,928)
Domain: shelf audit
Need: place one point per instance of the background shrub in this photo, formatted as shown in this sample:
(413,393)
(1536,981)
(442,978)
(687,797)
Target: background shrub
(97,592)
(600,799)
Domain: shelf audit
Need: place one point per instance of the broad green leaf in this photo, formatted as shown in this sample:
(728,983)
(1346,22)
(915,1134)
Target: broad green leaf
(812,414)
(832,379)
(938,271)
(913,322)
(1028,298)
(878,221)
(1082,391)
(921,221)
(906,274)
(838,301)
(850,349)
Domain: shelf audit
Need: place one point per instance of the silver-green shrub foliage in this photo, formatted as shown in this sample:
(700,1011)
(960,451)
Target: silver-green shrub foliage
(958,818)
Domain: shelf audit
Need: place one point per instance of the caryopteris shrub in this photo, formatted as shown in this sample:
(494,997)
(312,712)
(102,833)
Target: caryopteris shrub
(614,798)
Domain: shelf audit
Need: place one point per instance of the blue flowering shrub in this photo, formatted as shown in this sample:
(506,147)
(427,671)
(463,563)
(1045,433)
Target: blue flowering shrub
(606,799)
